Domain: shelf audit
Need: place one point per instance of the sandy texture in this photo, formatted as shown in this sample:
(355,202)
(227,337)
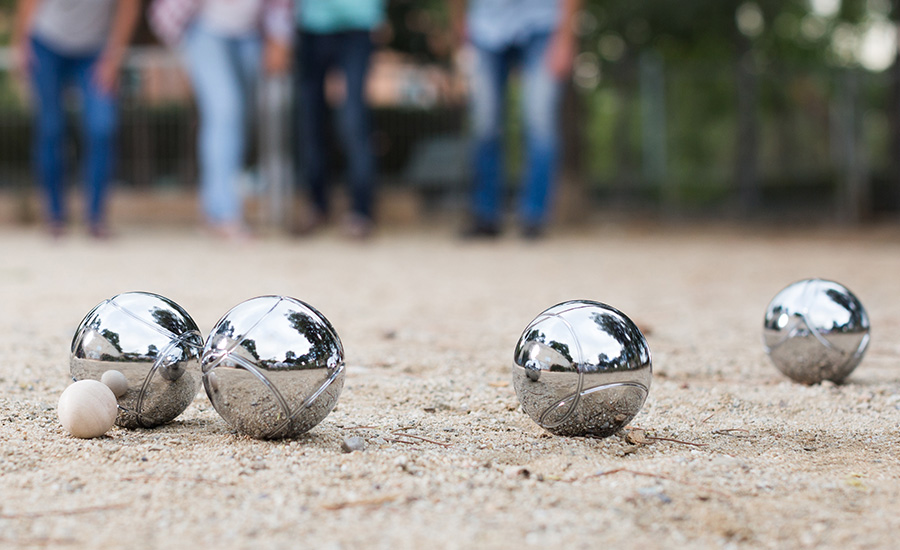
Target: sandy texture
(731,454)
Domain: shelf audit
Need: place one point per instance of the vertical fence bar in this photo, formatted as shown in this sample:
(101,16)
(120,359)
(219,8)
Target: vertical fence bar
(748,128)
(852,193)
(653,126)
(274,156)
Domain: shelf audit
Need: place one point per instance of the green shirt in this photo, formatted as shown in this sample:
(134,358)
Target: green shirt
(326,16)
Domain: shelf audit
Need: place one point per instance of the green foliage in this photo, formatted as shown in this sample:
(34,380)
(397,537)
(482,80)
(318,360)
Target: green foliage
(795,66)
(710,29)
(420,28)
(7,15)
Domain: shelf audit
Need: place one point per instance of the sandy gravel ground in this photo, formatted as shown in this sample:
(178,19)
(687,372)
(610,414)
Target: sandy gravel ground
(734,455)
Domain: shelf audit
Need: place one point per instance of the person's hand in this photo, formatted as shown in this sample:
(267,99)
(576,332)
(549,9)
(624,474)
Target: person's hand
(22,56)
(460,34)
(22,63)
(276,57)
(458,10)
(561,54)
(106,72)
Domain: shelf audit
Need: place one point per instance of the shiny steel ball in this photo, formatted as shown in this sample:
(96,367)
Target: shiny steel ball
(582,368)
(816,330)
(273,367)
(152,345)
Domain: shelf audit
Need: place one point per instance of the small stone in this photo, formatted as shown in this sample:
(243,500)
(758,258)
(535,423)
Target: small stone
(636,437)
(353,443)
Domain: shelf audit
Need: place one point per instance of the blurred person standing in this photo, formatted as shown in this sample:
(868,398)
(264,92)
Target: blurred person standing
(225,43)
(58,43)
(539,37)
(336,34)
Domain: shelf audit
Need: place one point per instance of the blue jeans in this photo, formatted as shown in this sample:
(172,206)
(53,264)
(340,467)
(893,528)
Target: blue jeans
(223,71)
(317,54)
(541,92)
(51,72)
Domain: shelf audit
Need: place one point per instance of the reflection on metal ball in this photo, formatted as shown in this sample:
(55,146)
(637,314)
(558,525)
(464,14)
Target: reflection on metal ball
(582,368)
(153,343)
(273,367)
(816,330)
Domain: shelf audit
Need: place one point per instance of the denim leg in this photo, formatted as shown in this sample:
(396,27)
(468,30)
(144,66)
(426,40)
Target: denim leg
(99,127)
(488,84)
(313,59)
(48,78)
(355,51)
(540,112)
(217,86)
(247,52)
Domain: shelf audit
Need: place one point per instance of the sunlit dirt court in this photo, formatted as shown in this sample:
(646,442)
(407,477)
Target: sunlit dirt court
(726,452)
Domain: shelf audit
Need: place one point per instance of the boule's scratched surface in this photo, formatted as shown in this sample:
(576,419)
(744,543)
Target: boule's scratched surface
(273,367)
(582,368)
(816,330)
(153,342)
(428,325)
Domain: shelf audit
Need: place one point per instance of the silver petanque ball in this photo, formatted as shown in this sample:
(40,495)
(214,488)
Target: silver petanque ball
(582,368)
(146,348)
(816,330)
(273,367)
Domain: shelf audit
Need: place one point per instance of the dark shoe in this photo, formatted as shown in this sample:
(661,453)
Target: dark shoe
(308,223)
(480,230)
(358,227)
(99,231)
(56,229)
(532,231)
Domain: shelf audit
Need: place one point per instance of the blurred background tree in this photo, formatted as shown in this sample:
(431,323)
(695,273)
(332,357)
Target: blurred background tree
(702,100)
(697,103)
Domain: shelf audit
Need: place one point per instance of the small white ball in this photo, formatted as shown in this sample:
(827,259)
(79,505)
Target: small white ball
(116,382)
(87,409)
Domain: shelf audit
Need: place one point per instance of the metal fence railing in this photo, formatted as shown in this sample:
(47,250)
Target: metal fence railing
(156,147)
(157,121)
(660,134)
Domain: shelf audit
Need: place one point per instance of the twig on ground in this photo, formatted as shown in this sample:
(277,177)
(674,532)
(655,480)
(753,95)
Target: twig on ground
(178,479)
(391,439)
(42,541)
(659,476)
(70,512)
(364,502)
(669,439)
(707,418)
(729,430)
(360,427)
(441,443)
